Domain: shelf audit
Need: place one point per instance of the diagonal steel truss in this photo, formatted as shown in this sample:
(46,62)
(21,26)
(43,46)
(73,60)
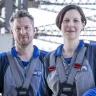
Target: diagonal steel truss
(52,34)
(47,32)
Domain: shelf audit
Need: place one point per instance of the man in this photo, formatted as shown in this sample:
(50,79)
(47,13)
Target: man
(21,68)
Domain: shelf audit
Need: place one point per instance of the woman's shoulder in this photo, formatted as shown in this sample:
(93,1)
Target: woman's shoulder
(91,49)
(91,44)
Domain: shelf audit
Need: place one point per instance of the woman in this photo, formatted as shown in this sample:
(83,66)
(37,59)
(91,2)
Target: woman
(67,70)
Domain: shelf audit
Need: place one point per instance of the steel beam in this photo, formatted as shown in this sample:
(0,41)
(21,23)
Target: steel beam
(8,11)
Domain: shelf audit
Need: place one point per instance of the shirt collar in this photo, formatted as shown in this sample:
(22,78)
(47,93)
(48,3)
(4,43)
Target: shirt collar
(36,52)
(58,51)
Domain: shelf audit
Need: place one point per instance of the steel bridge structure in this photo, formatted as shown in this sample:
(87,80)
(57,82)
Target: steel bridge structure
(47,32)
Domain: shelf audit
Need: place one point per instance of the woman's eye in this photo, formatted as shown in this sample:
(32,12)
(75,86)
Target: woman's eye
(66,21)
(76,21)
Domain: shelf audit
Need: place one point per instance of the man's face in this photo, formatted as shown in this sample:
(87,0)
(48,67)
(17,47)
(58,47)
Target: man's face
(23,31)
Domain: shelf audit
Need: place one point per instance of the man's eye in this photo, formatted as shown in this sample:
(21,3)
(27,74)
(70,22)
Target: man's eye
(18,29)
(26,27)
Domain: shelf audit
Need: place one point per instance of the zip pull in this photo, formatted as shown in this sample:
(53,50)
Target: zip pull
(25,71)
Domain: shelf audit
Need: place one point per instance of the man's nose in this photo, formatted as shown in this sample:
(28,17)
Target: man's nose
(23,31)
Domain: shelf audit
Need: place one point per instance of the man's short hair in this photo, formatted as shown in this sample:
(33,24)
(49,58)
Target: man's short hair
(20,14)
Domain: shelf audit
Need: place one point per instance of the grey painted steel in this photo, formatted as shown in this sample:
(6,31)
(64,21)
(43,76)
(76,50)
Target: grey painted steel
(6,42)
(8,11)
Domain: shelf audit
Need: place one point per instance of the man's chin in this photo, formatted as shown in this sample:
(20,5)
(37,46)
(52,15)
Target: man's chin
(25,43)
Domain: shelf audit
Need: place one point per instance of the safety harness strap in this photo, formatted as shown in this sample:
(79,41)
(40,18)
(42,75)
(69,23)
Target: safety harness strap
(13,63)
(61,70)
(52,60)
(67,87)
(14,69)
(77,64)
(30,72)
(57,62)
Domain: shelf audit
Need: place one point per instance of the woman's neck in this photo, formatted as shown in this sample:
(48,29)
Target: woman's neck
(69,47)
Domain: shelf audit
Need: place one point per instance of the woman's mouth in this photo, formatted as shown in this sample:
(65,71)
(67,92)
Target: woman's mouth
(70,31)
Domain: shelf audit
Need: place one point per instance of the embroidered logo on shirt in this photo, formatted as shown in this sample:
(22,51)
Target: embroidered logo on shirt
(84,68)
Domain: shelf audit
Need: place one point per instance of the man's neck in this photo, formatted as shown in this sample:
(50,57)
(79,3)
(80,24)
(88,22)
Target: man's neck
(25,53)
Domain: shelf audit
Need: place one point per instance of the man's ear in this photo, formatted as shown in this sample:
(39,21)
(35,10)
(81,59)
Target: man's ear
(11,32)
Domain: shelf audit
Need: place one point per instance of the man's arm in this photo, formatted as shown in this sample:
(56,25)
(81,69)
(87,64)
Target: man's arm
(3,67)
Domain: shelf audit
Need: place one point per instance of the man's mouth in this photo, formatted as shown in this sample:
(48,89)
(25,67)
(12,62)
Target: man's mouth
(24,37)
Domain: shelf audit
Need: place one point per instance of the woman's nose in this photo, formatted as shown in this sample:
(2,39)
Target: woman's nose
(71,23)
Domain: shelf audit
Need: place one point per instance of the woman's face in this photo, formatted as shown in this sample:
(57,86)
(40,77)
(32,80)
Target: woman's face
(72,25)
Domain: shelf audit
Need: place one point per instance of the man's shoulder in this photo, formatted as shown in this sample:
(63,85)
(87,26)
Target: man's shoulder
(3,54)
(3,60)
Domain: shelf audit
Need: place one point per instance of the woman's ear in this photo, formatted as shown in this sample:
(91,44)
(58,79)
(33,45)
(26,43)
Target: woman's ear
(83,26)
